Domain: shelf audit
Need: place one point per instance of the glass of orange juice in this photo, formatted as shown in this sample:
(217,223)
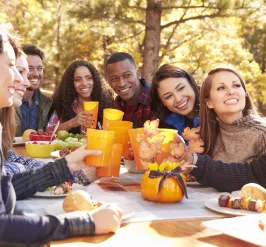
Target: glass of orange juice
(92,108)
(113,168)
(110,115)
(99,140)
(121,134)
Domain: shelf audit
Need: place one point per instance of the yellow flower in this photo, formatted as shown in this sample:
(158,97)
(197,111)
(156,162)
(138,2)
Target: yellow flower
(153,166)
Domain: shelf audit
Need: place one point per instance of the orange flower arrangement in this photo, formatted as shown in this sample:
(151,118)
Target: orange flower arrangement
(163,164)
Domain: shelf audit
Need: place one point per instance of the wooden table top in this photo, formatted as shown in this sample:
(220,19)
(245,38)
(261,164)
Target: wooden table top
(156,233)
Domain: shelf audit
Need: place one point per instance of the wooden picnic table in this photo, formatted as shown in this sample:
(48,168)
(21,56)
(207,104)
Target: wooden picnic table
(183,232)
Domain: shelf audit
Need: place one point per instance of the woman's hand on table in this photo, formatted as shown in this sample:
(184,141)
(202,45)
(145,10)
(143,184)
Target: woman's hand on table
(75,160)
(82,119)
(107,219)
(188,165)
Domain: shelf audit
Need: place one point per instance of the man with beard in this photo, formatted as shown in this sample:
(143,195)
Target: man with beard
(33,112)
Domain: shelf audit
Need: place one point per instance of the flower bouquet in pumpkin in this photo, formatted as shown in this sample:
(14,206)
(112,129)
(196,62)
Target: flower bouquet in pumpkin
(164,181)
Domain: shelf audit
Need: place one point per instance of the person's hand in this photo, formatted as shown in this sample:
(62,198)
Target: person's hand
(106,218)
(75,160)
(188,165)
(179,138)
(82,119)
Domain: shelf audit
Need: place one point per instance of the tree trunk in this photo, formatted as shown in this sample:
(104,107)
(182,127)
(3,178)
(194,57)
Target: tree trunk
(58,43)
(152,39)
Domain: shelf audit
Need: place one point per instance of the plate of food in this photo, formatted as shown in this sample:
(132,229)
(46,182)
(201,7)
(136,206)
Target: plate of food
(250,200)
(80,200)
(251,228)
(58,191)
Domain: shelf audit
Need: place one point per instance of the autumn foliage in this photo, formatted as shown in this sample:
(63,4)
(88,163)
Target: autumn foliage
(152,152)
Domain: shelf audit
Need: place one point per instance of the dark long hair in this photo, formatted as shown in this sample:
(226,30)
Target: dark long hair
(164,72)
(208,118)
(65,93)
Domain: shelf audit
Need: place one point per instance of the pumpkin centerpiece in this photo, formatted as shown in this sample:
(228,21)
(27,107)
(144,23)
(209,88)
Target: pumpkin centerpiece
(164,181)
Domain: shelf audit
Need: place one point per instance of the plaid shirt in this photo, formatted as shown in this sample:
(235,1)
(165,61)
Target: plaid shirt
(54,118)
(142,111)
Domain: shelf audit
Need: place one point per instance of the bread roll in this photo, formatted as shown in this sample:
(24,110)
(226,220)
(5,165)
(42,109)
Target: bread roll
(78,200)
(254,191)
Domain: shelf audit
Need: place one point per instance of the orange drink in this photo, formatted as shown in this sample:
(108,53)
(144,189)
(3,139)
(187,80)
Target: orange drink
(169,136)
(121,134)
(113,168)
(134,135)
(100,140)
(110,115)
(92,108)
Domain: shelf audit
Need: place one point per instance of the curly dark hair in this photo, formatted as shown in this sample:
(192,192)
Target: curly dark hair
(65,93)
(164,72)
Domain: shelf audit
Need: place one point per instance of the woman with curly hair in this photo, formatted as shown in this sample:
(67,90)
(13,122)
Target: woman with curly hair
(175,98)
(81,82)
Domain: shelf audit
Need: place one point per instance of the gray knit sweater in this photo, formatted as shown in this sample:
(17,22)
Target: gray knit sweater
(240,141)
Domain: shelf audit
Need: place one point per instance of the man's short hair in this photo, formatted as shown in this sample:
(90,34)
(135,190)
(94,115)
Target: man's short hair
(33,50)
(119,57)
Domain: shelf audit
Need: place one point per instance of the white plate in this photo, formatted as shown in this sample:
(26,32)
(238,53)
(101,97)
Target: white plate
(213,205)
(194,183)
(245,228)
(18,141)
(55,154)
(57,208)
(48,194)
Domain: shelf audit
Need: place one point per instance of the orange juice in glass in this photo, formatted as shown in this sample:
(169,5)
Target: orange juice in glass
(110,115)
(134,136)
(92,108)
(169,136)
(121,134)
(100,140)
(113,168)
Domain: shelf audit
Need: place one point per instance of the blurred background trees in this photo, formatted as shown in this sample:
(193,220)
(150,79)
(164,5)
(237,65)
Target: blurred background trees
(198,35)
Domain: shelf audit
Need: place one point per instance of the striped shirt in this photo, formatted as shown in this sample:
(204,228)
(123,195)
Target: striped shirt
(229,177)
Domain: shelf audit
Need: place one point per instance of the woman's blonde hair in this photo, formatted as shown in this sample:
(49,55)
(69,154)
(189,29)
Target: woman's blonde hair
(208,118)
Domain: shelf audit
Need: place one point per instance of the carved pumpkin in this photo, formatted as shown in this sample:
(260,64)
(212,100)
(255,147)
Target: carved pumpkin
(171,191)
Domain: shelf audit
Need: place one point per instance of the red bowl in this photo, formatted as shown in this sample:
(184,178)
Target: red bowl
(34,137)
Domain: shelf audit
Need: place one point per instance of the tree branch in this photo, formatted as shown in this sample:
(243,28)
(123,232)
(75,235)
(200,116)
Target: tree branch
(173,31)
(188,7)
(128,20)
(131,36)
(194,18)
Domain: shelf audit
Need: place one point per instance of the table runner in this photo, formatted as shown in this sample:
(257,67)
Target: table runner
(144,210)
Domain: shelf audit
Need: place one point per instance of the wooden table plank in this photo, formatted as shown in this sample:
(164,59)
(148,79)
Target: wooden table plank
(159,233)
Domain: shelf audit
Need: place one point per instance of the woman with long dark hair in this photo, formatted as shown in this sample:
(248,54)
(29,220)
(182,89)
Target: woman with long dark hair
(175,98)
(80,82)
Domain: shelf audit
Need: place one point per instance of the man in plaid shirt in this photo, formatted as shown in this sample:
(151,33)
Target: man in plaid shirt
(132,92)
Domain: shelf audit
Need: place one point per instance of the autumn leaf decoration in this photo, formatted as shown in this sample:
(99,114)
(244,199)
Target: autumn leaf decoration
(154,157)
(195,144)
